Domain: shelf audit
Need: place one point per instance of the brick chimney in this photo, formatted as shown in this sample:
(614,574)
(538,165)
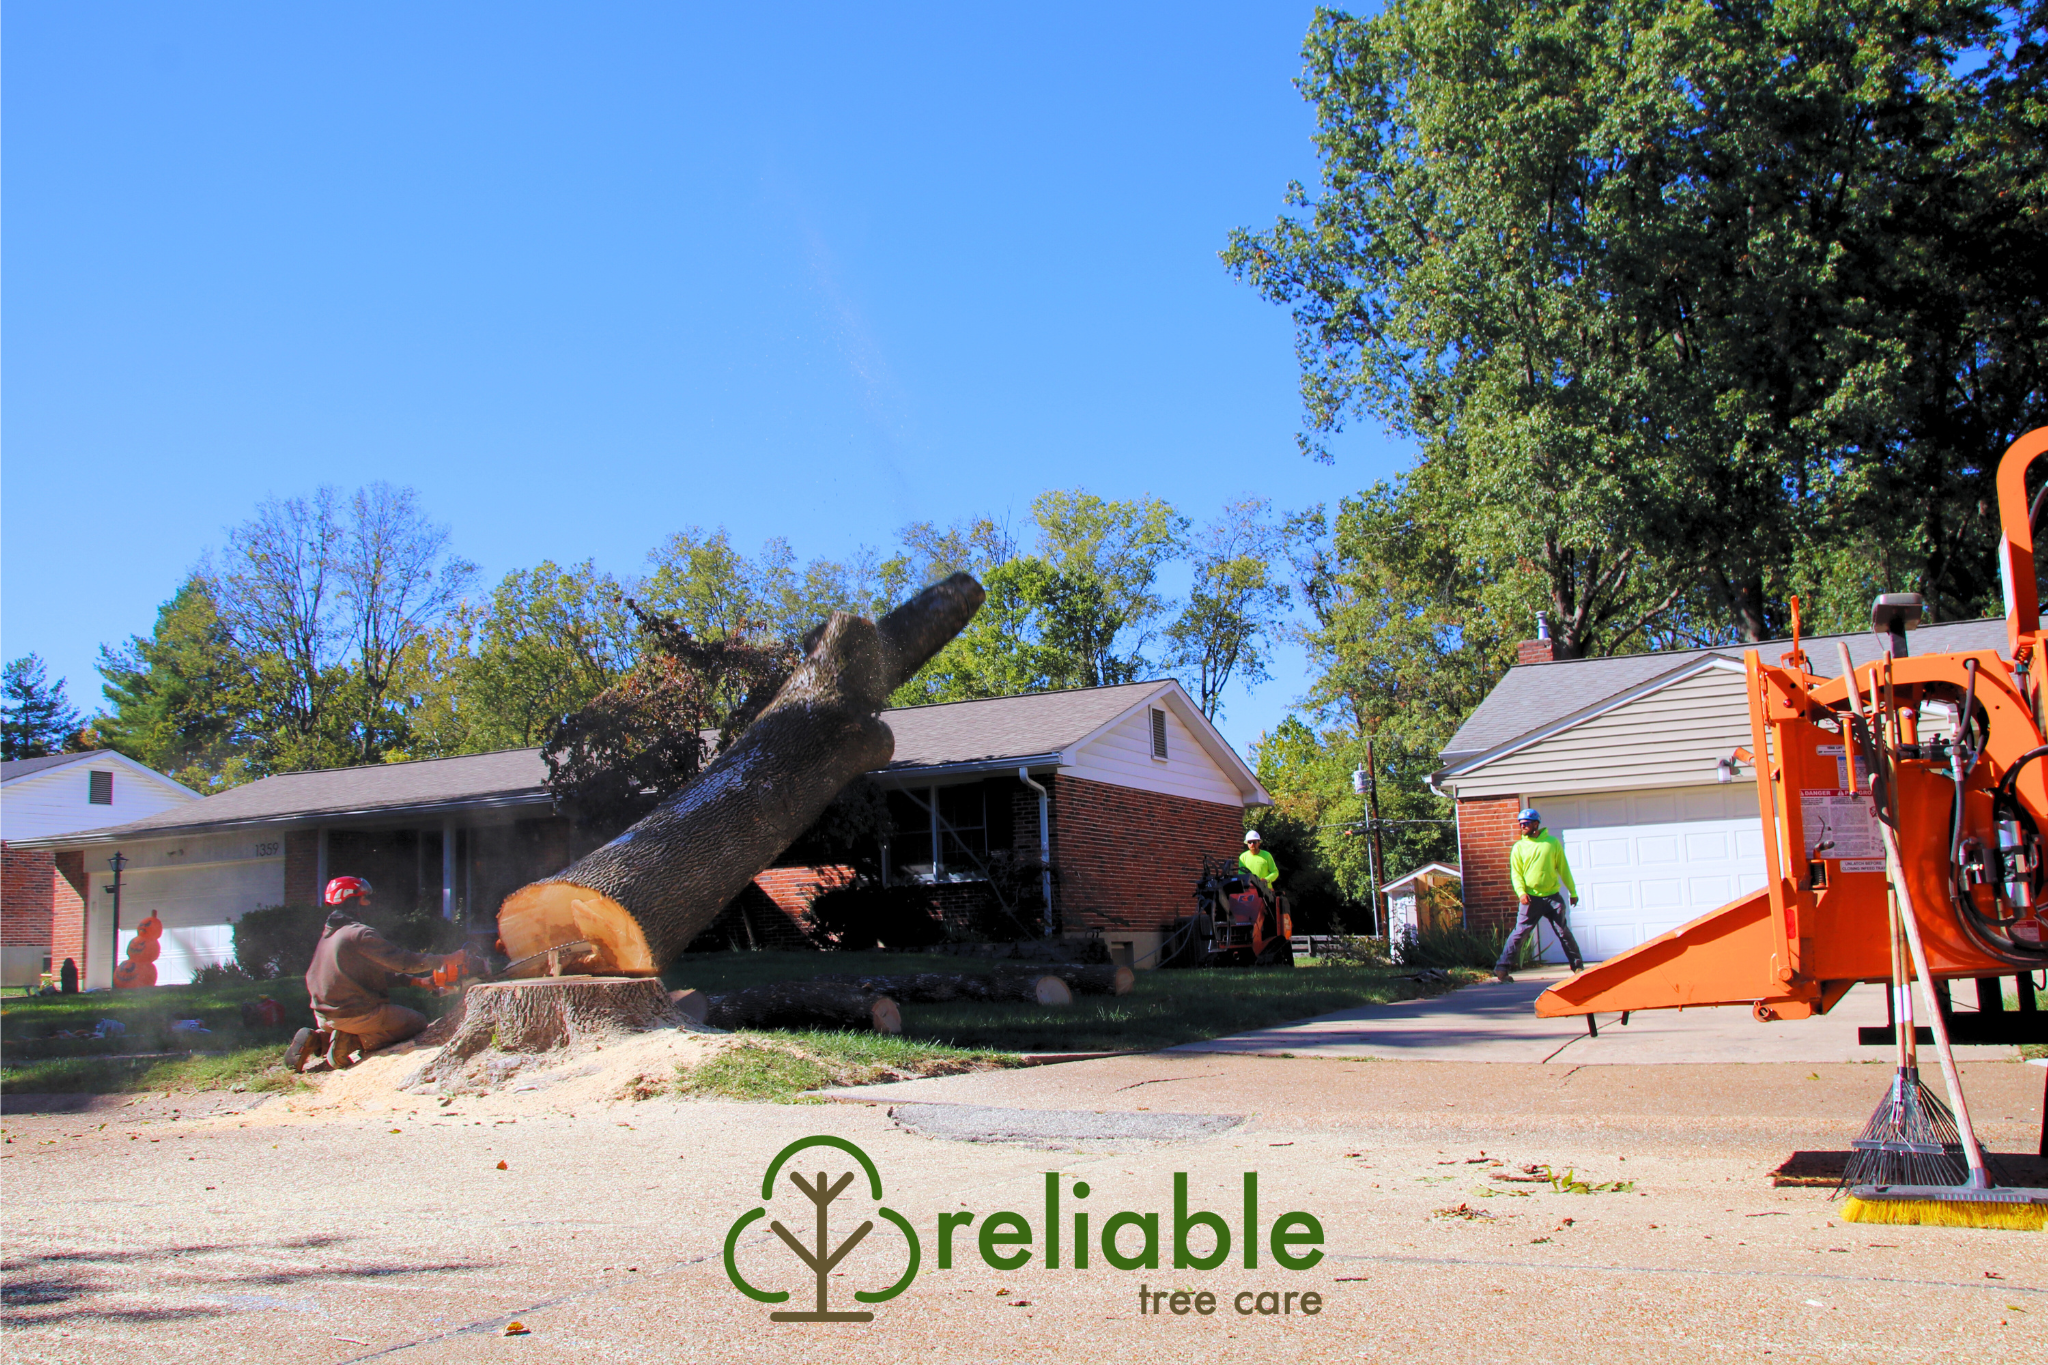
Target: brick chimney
(1542,649)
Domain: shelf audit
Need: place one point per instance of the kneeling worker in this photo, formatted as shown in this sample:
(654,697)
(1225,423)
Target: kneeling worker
(350,982)
(1259,863)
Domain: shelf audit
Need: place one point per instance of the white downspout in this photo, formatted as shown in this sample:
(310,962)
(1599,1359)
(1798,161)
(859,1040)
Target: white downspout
(1044,843)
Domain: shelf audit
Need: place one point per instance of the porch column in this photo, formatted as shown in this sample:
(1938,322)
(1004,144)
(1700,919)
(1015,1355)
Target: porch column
(448,869)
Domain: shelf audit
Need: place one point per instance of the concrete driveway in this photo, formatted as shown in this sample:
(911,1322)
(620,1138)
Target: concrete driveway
(1496,1022)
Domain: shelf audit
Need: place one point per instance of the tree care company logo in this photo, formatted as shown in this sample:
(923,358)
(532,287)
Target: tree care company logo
(1125,1240)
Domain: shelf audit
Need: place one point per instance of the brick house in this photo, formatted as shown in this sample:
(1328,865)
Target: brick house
(1106,798)
(41,891)
(1628,760)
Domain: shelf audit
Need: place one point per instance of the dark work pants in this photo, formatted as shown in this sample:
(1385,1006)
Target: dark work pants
(1552,908)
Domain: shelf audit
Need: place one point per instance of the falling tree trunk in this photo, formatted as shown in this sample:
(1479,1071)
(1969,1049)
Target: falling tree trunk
(546,1015)
(805,1004)
(642,897)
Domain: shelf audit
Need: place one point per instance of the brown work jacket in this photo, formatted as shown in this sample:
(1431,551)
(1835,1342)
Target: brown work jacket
(352,967)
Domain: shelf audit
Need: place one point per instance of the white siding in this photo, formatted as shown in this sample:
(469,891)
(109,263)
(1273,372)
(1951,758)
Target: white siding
(198,886)
(1666,738)
(54,801)
(1122,756)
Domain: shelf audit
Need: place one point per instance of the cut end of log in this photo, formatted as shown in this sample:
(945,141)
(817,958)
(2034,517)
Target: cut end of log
(693,1005)
(1122,981)
(1052,991)
(886,1015)
(544,915)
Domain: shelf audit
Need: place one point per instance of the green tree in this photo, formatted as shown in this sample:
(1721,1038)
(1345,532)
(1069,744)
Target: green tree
(36,720)
(1235,604)
(1686,304)
(498,675)
(1102,604)
(1007,649)
(181,697)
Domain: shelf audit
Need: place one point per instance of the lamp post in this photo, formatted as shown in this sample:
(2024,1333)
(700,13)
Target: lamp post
(117,862)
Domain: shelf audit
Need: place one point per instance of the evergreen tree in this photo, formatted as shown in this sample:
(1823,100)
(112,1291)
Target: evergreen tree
(38,721)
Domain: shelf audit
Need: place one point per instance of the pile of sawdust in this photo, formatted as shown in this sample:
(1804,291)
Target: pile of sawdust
(621,1067)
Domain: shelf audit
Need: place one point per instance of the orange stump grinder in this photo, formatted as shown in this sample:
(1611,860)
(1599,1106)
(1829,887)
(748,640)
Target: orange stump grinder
(1904,805)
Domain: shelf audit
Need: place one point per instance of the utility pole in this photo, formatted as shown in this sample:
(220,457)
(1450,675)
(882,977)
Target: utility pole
(1365,782)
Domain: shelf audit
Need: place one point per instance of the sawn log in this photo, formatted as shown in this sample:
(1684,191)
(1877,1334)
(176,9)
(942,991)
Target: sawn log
(805,1004)
(642,897)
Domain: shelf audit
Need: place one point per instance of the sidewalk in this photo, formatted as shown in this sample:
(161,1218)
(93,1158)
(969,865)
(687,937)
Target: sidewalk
(1495,1022)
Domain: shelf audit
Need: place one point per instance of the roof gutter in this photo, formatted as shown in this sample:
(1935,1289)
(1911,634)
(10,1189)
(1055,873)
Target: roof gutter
(973,767)
(1044,843)
(122,834)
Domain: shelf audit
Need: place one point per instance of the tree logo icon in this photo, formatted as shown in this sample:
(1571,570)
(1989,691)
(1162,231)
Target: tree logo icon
(820,1257)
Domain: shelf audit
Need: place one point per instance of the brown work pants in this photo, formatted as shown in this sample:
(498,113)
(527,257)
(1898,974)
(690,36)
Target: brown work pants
(390,1024)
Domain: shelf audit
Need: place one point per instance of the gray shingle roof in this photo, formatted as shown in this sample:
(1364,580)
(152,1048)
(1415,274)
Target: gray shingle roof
(969,732)
(22,767)
(1532,696)
(508,777)
(1005,728)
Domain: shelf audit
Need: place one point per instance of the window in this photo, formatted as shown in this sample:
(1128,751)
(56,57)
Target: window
(99,788)
(1158,733)
(938,834)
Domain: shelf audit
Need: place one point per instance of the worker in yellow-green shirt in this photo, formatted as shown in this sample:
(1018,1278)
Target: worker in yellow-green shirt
(1542,877)
(1257,861)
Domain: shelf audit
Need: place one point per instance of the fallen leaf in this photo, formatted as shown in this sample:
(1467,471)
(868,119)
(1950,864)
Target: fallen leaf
(503,1167)
(517,1329)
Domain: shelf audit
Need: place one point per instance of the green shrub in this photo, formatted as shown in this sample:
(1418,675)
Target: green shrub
(1456,946)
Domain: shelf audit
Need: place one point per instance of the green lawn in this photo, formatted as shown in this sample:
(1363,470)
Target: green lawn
(1167,1007)
(149,1055)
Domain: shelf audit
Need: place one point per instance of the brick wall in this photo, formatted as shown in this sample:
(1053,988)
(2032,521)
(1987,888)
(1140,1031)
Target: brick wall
(302,867)
(67,912)
(1486,831)
(26,897)
(1129,859)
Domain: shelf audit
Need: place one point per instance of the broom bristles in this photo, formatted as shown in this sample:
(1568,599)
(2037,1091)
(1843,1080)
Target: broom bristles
(1947,1213)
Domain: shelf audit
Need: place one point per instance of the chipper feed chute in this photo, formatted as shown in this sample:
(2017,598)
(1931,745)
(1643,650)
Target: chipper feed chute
(1962,736)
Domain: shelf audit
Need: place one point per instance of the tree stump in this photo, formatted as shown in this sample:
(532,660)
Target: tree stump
(503,1025)
(806,1004)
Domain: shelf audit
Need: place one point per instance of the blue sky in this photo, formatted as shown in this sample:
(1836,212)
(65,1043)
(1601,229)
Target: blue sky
(585,275)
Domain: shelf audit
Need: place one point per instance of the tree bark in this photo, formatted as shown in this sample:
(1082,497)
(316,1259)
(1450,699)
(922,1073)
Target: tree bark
(642,897)
(529,1017)
(805,1004)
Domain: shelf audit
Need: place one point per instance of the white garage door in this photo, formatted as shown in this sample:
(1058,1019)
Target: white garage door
(198,906)
(1648,861)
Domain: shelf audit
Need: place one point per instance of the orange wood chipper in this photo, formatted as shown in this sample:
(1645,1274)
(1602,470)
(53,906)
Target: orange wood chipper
(1939,756)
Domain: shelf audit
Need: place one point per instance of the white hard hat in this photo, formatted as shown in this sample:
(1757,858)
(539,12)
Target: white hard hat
(1251,836)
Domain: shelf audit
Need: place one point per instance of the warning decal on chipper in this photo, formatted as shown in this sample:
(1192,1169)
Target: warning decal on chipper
(1839,824)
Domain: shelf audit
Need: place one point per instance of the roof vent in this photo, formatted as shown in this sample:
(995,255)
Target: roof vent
(99,788)
(1158,733)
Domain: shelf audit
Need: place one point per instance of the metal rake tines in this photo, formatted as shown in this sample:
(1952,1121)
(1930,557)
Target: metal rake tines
(1912,1139)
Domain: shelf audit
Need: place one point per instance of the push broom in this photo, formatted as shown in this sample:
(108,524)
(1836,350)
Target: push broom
(1916,1138)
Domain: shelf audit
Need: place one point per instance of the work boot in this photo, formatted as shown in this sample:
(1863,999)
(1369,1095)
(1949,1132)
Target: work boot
(340,1048)
(300,1049)
(1500,974)
(1578,967)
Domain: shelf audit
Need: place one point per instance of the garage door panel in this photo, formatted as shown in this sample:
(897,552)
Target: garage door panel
(198,905)
(1658,894)
(1655,849)
(1613,896)
(1650,861)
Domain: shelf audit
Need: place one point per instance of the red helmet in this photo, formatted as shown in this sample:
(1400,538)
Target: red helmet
(342,890)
